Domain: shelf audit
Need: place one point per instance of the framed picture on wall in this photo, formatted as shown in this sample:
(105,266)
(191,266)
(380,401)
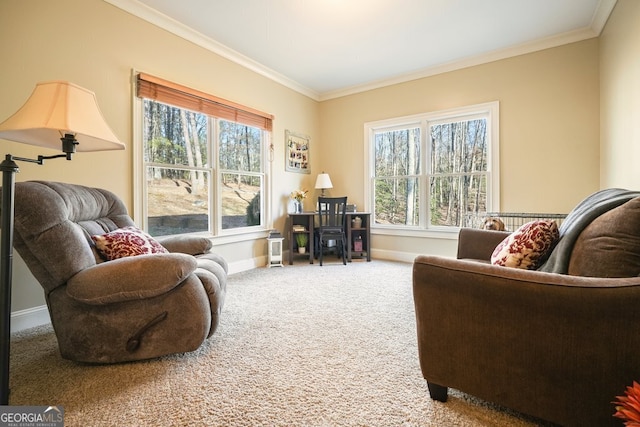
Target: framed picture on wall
(296,152)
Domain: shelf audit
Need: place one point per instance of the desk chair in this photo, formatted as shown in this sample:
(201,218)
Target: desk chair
(332,224)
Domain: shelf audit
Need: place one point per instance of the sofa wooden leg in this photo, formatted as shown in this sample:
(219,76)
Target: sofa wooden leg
(437,392)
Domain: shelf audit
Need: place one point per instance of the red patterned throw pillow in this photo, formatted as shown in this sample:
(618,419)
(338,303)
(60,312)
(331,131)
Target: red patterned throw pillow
(127,241)
(528,246)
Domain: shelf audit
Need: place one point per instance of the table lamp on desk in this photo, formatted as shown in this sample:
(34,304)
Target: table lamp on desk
(323,182)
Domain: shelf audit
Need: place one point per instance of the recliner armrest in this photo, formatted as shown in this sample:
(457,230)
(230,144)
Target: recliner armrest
(130,278)
(186,244)
(478,244)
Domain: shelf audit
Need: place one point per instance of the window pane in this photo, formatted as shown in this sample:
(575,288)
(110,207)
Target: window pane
(240,147)
(241,204)
(459,147)
(174,136)
(397,152)
(397,201)
(455,200)
(179,150)
(177,201)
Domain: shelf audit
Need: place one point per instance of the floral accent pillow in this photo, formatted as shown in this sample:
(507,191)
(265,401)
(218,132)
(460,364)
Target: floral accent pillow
(127,241)
(528,246)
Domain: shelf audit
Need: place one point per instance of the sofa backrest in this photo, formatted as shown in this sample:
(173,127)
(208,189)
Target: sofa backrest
(53,226)
(610,245)
(578,219)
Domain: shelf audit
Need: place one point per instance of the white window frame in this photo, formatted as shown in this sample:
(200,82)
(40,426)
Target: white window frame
(216,233)
(490,110)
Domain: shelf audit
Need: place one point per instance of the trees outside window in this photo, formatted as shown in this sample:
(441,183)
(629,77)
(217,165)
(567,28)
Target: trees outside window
(189,189)
(433,170)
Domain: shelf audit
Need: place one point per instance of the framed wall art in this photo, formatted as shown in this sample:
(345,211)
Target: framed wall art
(296,152)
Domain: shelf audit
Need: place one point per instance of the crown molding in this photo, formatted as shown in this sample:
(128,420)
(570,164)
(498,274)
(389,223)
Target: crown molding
(169,24)
(496,55)
(601,15)
(134,7)
(598,21)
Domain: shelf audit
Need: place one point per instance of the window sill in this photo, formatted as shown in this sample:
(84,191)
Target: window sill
(448,233)
(236,237)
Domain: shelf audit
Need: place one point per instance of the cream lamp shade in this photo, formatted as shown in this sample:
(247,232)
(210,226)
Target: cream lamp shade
(57,115)
(323,182)
(56,109)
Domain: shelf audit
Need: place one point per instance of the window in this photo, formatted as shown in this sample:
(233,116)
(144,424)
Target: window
(202,162)
(433,171)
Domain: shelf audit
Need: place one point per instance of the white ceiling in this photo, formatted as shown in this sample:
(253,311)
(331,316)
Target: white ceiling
(329,48)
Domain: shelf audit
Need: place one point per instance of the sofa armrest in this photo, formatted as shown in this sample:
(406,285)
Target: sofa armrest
(527,339)
(186,244)
(130,278)
(478,244)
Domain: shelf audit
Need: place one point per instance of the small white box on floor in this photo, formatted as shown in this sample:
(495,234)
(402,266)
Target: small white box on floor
(275,250)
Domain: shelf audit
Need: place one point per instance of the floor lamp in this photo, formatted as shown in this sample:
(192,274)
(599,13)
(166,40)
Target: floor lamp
(55,112)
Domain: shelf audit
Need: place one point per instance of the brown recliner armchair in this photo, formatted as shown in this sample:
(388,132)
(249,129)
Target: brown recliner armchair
(131,308)
(559,343)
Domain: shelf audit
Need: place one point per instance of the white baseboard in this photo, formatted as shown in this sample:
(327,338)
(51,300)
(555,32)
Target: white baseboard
(375,254)
(393,255)
(36,316)
(29,318)
(247,264)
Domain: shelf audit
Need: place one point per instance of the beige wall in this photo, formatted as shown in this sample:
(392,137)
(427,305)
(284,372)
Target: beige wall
(96,45)
(620,97)
(549,103)
(549,130)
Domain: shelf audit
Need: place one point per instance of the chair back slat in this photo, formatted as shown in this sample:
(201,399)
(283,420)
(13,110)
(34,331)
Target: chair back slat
(332,223)
(331,213)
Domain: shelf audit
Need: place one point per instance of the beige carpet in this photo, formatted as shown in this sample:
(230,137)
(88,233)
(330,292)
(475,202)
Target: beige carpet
(302,345)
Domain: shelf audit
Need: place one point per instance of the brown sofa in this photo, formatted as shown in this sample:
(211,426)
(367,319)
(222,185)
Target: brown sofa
(559,343)
(131,308)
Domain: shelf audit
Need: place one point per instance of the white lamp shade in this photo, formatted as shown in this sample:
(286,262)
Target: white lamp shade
(57,108)
(323,181)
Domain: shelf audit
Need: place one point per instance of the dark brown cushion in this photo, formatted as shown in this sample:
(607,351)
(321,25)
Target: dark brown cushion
(610,245)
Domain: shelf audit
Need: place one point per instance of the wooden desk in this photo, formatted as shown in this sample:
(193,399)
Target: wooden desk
(364,233)
(308,219)
(305,219)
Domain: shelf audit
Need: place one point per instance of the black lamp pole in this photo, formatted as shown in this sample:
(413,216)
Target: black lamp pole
(9,169)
